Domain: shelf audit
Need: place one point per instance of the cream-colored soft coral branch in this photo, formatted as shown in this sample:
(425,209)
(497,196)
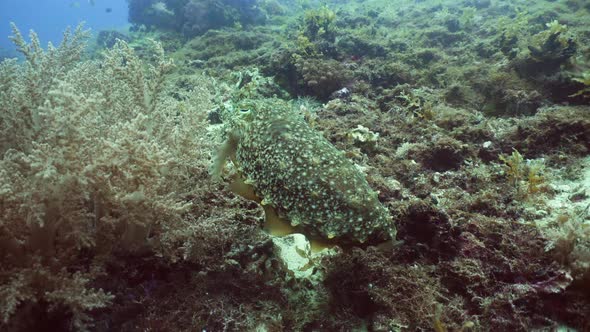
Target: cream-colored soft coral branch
(24,88)
(95,157)
(69,51)
(127,66)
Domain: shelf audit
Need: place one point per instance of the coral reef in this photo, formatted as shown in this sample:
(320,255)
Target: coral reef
(321,78)
(70,198)
(108,38)
(193,17)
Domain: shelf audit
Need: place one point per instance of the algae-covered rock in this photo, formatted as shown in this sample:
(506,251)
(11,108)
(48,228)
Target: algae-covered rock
(193,17)
(294,252)
(108,38)
(364,138)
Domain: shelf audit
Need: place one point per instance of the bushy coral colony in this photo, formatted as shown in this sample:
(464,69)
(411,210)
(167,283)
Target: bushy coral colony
(282,165)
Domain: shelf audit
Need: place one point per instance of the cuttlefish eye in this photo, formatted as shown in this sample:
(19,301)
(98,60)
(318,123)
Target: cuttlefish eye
(244,111)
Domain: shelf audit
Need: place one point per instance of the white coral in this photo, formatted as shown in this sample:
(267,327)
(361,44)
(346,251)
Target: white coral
(94,155)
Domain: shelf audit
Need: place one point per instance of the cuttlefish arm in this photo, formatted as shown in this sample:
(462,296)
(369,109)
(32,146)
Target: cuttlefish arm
(225,152)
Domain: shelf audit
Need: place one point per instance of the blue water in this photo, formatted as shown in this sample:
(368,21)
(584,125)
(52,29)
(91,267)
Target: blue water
(49,18)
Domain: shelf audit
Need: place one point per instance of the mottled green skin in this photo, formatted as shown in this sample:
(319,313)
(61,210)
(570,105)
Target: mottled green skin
(295,169)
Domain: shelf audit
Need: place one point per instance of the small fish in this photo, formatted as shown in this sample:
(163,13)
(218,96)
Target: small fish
(109,10)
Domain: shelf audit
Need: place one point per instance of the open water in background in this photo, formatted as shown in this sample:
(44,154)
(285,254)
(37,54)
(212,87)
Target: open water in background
(49,18)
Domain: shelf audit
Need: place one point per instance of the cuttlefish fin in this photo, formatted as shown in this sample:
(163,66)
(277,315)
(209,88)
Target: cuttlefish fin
(318,245)
(274,224)
(240,187)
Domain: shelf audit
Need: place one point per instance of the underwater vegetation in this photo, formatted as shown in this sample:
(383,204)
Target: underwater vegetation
(300,166)
(67,190)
